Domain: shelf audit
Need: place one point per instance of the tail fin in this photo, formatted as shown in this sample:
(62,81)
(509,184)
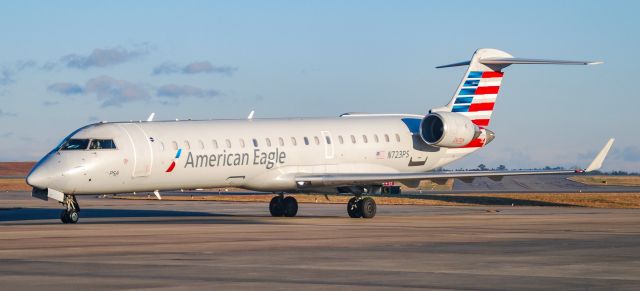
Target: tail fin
(477,93)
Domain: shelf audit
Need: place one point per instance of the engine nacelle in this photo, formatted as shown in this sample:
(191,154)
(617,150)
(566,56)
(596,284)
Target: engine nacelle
(448,129)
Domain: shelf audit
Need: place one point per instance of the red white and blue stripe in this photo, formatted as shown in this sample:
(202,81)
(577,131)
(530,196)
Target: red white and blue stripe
(477,96)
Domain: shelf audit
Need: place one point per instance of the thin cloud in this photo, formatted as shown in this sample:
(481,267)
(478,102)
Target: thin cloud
(627,154)
(207,67)
(203,67)
(176,91)
(166,68)
(6,76)
(50,103)
(113,92)
(7,114)
(65,88)
(103,57)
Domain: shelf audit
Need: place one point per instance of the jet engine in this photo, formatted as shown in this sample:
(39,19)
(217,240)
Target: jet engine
(448,129)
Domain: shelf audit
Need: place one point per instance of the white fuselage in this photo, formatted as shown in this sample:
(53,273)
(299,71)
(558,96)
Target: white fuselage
(258,154)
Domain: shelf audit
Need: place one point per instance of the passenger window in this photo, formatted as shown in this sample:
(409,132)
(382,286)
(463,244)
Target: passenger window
(386,137)
(375,138)
(364,138)
(340,139)
(268,142)
(215,144)
(255,142)
(281,141)
(228,142)
(306,141)
(187,145)
(397,137)
(316,139)
(353,139)
(241,143)
(75,144)
(175,145)
(99,144)
(201,144)
(293,141)
(328,139)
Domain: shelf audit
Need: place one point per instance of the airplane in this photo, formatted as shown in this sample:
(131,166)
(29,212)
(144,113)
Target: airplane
(354,153)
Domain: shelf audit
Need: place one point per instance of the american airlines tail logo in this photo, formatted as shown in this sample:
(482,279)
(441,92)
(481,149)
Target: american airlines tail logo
(173,163)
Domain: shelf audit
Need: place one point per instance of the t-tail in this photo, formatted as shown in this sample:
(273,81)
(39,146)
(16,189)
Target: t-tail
(475,99)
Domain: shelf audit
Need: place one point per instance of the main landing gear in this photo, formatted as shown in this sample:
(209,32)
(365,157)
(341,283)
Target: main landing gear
(71,213)
(361,207)
(283,206)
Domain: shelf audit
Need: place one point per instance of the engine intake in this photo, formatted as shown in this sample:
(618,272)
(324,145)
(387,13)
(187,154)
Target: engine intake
(448,129)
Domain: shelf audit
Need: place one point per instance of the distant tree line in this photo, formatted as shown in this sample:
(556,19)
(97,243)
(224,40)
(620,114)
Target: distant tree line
(483,167)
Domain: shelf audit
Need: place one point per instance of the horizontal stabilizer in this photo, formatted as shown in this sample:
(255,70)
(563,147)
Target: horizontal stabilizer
(465,63)
(510,61)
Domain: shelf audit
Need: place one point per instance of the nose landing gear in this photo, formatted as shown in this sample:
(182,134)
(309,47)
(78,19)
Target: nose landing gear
(71,213)
(283,206)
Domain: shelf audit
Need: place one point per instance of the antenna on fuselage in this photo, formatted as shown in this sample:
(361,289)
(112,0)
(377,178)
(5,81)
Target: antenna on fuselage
(150,118)
(251,114)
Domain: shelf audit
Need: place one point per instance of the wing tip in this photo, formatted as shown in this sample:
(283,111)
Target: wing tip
(596,164)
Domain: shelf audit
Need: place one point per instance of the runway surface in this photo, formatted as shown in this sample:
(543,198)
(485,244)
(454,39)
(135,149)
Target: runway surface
(185,245)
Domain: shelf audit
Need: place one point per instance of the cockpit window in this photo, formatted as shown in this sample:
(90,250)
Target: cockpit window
(75,144)
(98,144)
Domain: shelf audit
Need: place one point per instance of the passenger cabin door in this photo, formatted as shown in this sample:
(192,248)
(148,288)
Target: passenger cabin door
(142,152)
(328,145)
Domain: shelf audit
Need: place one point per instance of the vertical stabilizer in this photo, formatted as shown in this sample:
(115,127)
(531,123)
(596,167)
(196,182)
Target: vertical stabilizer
(476,95)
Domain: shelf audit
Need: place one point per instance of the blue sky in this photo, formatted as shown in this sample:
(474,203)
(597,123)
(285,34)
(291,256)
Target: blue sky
(65,64)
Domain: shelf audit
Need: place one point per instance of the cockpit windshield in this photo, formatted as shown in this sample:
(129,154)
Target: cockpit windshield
(75,144)
(84,144)
(97,144)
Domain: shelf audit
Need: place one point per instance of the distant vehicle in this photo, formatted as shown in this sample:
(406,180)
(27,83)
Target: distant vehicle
(353,153)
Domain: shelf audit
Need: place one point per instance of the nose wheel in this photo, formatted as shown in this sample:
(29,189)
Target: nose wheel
(283,206)
(72,212)
(361,207)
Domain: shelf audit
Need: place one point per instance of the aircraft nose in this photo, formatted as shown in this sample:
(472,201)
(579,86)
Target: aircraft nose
(38,178)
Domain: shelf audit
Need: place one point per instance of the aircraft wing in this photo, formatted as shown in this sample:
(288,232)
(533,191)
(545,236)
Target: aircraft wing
(351,179)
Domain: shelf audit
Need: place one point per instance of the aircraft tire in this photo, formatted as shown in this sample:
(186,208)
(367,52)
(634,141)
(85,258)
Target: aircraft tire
(63,217)
(353,209)
(276,206)
(367,207)
(290,206)
(73,216)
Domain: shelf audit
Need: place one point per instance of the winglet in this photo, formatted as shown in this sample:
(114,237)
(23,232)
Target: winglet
(250,117)
(150,118)
(597,162)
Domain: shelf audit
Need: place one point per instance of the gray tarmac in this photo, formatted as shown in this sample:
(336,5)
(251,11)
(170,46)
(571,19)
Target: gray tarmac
(122,244)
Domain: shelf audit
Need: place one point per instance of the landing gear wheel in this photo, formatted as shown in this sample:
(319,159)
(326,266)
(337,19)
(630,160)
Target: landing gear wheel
(290,206)
(73,216)
(367,207)
(353,208)
(71,213)
(276,206)
(63,217)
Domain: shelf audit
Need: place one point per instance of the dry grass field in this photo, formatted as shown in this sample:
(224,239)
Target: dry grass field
(596,200)
(607,180)
(17,184)
(15,169)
